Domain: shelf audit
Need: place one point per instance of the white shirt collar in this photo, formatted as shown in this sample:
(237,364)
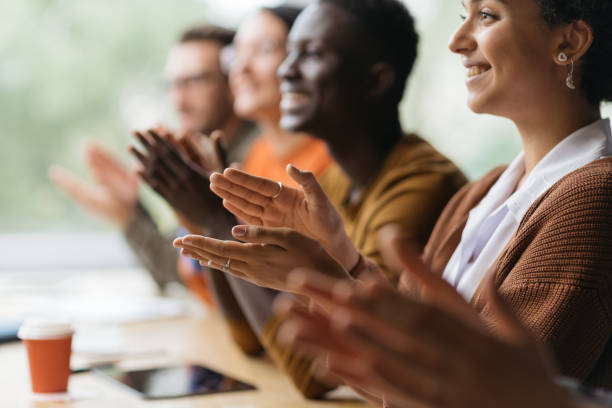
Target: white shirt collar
(577,150)
(582,147)
(494,220)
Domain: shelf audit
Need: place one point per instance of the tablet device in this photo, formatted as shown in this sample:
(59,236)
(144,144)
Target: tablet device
(174,382)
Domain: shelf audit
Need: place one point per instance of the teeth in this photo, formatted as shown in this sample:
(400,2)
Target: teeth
(474,71)
(295,96)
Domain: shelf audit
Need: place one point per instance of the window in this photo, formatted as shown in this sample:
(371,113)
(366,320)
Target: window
(73,70)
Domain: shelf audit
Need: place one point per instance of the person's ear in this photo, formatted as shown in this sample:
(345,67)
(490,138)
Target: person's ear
(575,40)
(381,78)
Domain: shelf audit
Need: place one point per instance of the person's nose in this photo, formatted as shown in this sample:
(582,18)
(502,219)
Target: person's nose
(241,64)
(463,41)
(178,98)
(289,69)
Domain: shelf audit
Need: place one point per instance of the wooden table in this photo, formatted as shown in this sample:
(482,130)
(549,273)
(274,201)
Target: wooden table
(202,340)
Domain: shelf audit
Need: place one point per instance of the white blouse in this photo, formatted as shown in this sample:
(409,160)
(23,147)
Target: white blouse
(493,222)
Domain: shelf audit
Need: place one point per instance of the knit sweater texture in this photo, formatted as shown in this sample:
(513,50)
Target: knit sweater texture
(556,271)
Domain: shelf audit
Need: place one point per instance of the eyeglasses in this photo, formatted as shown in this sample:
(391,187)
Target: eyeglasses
(191,81)
(249,51)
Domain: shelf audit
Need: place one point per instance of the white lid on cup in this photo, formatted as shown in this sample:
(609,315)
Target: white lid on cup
(39,328)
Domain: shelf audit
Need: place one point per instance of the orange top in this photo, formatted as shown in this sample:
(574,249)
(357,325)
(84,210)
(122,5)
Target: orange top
(261,160)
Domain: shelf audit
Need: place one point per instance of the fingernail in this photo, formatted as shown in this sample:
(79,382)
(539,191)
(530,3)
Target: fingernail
(296,169)
(239,231)
(296,279)
(287,333)
(282,305)
(342,319)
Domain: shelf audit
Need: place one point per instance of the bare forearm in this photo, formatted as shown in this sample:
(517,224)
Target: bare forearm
(343,250)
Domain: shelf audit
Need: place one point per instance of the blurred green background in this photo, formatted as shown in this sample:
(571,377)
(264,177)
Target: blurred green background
(71,71)
(77,70)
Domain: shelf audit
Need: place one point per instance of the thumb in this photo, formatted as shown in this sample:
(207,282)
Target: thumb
(92,148)
(403,256)
(187,147)
(282,237)
(62,178)
(96,155)
(72,186)
(402,253)
(507,324)
(165,133)
(217,138)
(161,128)
(311,187)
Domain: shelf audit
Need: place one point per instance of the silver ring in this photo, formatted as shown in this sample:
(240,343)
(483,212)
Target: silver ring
(280,189)
(226,268)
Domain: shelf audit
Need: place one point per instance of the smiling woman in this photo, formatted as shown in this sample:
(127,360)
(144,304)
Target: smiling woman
(533,61)
(512,61)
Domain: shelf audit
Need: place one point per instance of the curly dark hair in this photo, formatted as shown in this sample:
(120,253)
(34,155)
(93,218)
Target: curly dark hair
(390,27)
(597,62)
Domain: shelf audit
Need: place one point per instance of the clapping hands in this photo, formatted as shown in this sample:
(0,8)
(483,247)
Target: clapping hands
(265,257)
(114,195)
(179,171)
(430,351)
(263,202)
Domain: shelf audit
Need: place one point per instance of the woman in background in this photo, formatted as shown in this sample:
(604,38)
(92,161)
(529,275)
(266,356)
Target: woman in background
(253,60)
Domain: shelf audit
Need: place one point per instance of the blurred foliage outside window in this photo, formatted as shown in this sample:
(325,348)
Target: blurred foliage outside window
(72,71)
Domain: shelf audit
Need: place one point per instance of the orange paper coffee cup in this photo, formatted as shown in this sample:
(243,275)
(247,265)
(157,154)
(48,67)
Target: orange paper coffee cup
(48,344)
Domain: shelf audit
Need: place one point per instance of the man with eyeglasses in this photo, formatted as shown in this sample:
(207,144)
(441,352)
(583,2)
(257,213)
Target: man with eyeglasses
(199,90)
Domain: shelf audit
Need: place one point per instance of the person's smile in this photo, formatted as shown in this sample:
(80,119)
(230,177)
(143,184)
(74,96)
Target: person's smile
(293,100)
(476,71)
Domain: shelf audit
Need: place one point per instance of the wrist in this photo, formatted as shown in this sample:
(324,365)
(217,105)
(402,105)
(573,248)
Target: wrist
(359,266)
(126,215)
(346,254)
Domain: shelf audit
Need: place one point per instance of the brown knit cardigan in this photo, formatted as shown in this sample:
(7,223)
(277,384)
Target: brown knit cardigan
(556,271)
